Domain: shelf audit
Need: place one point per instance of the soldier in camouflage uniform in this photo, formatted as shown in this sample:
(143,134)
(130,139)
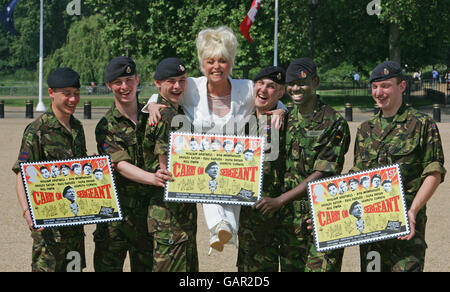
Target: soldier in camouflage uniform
(120,133)
(317,140)
(261,233)
(173,226)
(55,135)
(400,134)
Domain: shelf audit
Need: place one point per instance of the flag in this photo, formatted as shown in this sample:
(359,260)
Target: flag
(249,19)
(6,16)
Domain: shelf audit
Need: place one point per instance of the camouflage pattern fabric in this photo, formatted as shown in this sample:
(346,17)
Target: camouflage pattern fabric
(117,136)
(46,139)
(315,142)
(300,254)
(412,140)
(113,240)
(52,247)
(261,237)
(172,225)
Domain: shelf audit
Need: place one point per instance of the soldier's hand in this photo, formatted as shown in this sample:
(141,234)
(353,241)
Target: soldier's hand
(412,225)
(163,175)
(154,116)
(278,118)
(309,225)
(268,205)
(27,216)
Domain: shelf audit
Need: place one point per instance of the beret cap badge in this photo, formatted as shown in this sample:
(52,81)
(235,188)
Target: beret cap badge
(128,70)
(386,71)
(302,75)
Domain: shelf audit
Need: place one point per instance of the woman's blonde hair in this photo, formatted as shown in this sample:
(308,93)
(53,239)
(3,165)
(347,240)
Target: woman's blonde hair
(216,42)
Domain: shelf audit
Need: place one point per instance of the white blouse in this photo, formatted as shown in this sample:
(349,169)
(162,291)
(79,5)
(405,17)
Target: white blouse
(196,108)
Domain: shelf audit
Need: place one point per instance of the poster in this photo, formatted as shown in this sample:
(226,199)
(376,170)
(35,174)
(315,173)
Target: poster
(358,208)
(70,192)
(215,169)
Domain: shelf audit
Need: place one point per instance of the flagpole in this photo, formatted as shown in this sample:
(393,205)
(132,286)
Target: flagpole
(275,52)
(41,107)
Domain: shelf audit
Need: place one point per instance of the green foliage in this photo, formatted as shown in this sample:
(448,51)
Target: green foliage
(148,31)
(85,50)
(22,51)
(424,29)
(341,73)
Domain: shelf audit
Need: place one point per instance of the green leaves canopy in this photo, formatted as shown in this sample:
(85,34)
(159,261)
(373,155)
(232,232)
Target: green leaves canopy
(149,31)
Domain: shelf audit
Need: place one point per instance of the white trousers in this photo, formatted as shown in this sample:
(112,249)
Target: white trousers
(214,213)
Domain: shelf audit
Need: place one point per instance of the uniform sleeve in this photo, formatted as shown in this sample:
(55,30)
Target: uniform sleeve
(81,142)
(153,98)
(162,140)
(331,157)
(357,160)
(433,152)
(29,149)
(106,143)
(161,134)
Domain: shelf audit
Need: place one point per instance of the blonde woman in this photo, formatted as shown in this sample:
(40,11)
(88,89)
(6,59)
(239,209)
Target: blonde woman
(214,104)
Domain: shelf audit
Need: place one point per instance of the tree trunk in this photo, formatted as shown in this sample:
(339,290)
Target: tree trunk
(394,49)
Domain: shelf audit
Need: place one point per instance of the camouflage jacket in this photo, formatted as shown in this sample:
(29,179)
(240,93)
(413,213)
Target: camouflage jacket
(272,181)
(119,137)
(174,219)
(316,142)
(273,175)
(46,139)
(156,140)
(412,140)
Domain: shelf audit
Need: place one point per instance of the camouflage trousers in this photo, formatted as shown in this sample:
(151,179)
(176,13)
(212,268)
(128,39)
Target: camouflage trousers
(114,239)
(173,227)
(396,255)
(301,253)
(262,241)
(58,250)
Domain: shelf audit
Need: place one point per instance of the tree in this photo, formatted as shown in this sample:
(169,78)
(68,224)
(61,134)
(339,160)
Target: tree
(85,51)
(418,30)
(22,51)
(412,31)
(170,29)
